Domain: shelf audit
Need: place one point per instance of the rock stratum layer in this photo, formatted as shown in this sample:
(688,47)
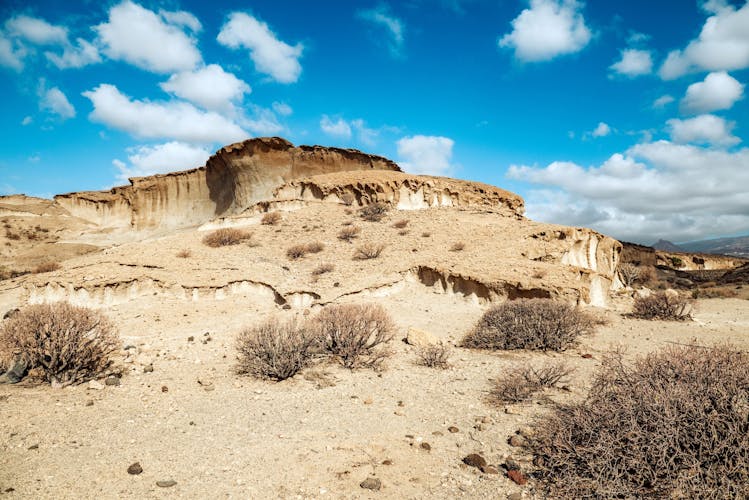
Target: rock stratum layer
(234,178)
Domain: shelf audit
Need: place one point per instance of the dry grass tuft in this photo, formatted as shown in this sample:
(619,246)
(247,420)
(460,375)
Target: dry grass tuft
(349,233)
(271,218)
(434,356)
(46,267)
(355,334)
(458,247)
(66,344)
(522,383)
(400,224)
(673,424)
(225,237)
(323,269)
(275,350)
(536,324)
(184,254)
(299,251)
(315,247)
(374,212)
(662,306)
(368,251)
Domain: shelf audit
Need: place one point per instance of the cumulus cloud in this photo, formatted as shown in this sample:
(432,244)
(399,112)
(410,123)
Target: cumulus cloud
(394,28)
(11,56)
(150,41)
(717,91)
(282,108)
(160,159)
(56,102)
(425,154)
(75,56)
(722,45)
(37,31)
(703,129)
(271,56)
(182,18)
(602,130)
(263,121)
(633,62)
(653,190)
(663,101)
(344,129)
(210,87)
(173,120)
(549,28)
(337,128)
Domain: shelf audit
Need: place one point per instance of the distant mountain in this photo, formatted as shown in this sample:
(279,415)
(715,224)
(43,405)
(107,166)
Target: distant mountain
(667,246)
(738,246)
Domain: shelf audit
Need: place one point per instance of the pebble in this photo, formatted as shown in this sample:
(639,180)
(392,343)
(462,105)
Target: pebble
(426,446)
(517,441)
(148,369)
(95,385)
(166,484)
(452,429)
(517,477)
(489,469)
(475,460)
(112,380)
(371,483)
(135,469)
(191,338)
(164,388)
(511,464)
(90,402)
(515,496)
(387,462)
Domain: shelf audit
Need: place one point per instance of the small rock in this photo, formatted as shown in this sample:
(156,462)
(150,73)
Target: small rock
(286,307)
(517,441)
(437,433)
(511,464)
(489,469)
(191,338)
(515,496)
(90,402)
(17,371)
(517,477)
(134,469)
(419,338)
(33,447)
(148,369)
(486,420)
(479,427)
(587,356)
(426,446)
(387,462)
(164,388)
(475,460)
(399,413)
(95,385)
(452,429)
(166,484)
(371,483)
(368,401)
(112,380)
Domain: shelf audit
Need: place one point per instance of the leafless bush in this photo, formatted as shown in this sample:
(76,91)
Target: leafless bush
(46,267)
(6,273)
(629,273)
(315,247)
(66,344)
(322,269)
(225,237)
(296,251)
(434,356)
(673,424)
(275,350)
(348,233)
(184,254)
(541,324)
(522,383)
(374,212)
(458,247)
(662,306)
(400,224)
(355,334)
(348,199)
(368,251)
(271,218)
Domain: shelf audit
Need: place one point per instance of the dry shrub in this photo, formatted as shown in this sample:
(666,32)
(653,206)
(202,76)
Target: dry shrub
(522,383)
(348,233)
(458,247)
(355,333)
(275,350)
(6,273)
(374,212)
(225,237)
(648,274)
(296,251)
(348,199)
(629,273)
(400,224)
(315,247)
(539,324)
(434,356)
(271,218)
(673,424)
(662,306)
(368,251)
(46,267)
(322,269)
(184,254)
(66,344)
(714,293)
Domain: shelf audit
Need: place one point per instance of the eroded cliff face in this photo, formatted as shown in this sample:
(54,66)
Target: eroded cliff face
(683,261)
(234,178)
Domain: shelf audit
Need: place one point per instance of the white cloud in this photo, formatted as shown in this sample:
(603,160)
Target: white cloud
(634,62)
(718,91)
(55,101)
(602,130)
(173,120)
(160,159)
(75,57)
(210,87)
(182,18)
(338,128)
(653,190)
(262,122)
(37,31)
(11,56)
(662,101)
(549,28)
(282,108)
(271,56)
(703,129)
(147,40)
(722,45)
(27,121)
(393,26)
(425,154)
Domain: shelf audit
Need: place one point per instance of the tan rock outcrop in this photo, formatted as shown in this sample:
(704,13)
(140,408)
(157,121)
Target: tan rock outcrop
(233,179)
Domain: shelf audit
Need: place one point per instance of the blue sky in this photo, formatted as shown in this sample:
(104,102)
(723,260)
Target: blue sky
(628,117)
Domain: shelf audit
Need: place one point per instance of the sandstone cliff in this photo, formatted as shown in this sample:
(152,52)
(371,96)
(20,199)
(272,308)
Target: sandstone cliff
(683,261)
(233,179)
